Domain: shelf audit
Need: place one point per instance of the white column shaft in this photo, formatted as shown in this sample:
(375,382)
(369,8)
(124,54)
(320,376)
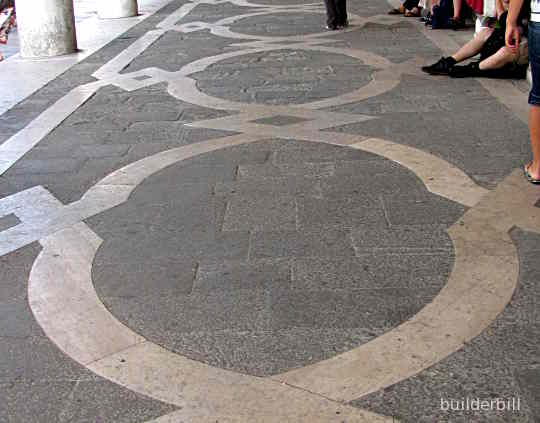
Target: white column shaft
(114,9)
(46,27)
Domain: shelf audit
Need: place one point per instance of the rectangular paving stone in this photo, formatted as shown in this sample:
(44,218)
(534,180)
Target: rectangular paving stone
(59,150)
(414,271)
(529,381)
(260,213)
(242,309)
(46,166)
(406,210)
(271,187)
(233,275)
(329,243)
(175,245)
(313,152)
(405,239)
(318,214)
(160,275)
(369,309)
(373,185)
(306,170)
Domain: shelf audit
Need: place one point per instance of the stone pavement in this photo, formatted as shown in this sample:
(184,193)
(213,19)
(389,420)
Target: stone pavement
(230,214)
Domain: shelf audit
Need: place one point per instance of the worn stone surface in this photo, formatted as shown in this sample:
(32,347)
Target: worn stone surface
(272,252)
(500,363)
(267,257)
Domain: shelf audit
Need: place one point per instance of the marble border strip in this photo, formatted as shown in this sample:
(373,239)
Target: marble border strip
(23,141)
(438,175)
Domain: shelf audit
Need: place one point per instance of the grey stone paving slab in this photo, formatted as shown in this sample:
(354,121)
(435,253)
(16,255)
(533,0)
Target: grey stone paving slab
(292,152)
(306,169)
(317,214)
(414,239)
(263,214)
(230,276)
(372,271)
(164,276)
(75,401)
(529,381)
(15,272)
(377,308)
(162,318)
(46,166)
(409,210)
(330,243)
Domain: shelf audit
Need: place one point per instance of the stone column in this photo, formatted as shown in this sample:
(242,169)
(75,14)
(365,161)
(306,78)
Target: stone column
(113,9)
(46,28)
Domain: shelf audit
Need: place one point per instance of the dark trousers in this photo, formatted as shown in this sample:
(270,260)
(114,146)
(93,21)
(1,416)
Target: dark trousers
(336,12)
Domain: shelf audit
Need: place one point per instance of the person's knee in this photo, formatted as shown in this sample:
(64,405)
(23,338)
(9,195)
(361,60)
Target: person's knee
(507,54)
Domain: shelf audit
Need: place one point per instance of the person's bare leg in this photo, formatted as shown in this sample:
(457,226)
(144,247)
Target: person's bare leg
(457,9)
(499,59)
(534,131)
(473,47)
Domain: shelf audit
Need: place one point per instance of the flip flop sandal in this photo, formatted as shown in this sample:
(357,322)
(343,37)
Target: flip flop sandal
(529,177)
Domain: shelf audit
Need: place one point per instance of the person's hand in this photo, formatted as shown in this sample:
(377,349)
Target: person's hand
(512,35)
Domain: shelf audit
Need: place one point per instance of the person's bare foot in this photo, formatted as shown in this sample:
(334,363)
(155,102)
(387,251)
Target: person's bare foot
(532,173)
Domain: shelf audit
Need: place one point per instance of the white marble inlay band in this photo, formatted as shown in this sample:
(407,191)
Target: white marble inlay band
(438,175)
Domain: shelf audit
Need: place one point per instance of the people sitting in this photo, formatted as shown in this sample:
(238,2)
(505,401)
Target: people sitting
(409,8)
(496,60)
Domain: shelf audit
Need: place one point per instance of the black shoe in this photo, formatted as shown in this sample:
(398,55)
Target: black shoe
(468,71)
(442,67)
(331,27)
(455,24)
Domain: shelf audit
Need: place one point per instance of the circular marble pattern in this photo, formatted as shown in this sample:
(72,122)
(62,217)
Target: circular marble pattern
(284,77)
(282,259)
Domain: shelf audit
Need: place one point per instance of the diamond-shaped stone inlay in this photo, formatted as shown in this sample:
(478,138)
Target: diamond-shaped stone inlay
(280,120)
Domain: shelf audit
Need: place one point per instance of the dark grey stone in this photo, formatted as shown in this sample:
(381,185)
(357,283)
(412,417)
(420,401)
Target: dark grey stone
(405,239)
(407,210)
(529,381)
(317,214)
(229,276)
(75,401)
(262,214)
(8,221)
(266,353)
(378,308)
(328,243)
(279,120)
(377,271)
